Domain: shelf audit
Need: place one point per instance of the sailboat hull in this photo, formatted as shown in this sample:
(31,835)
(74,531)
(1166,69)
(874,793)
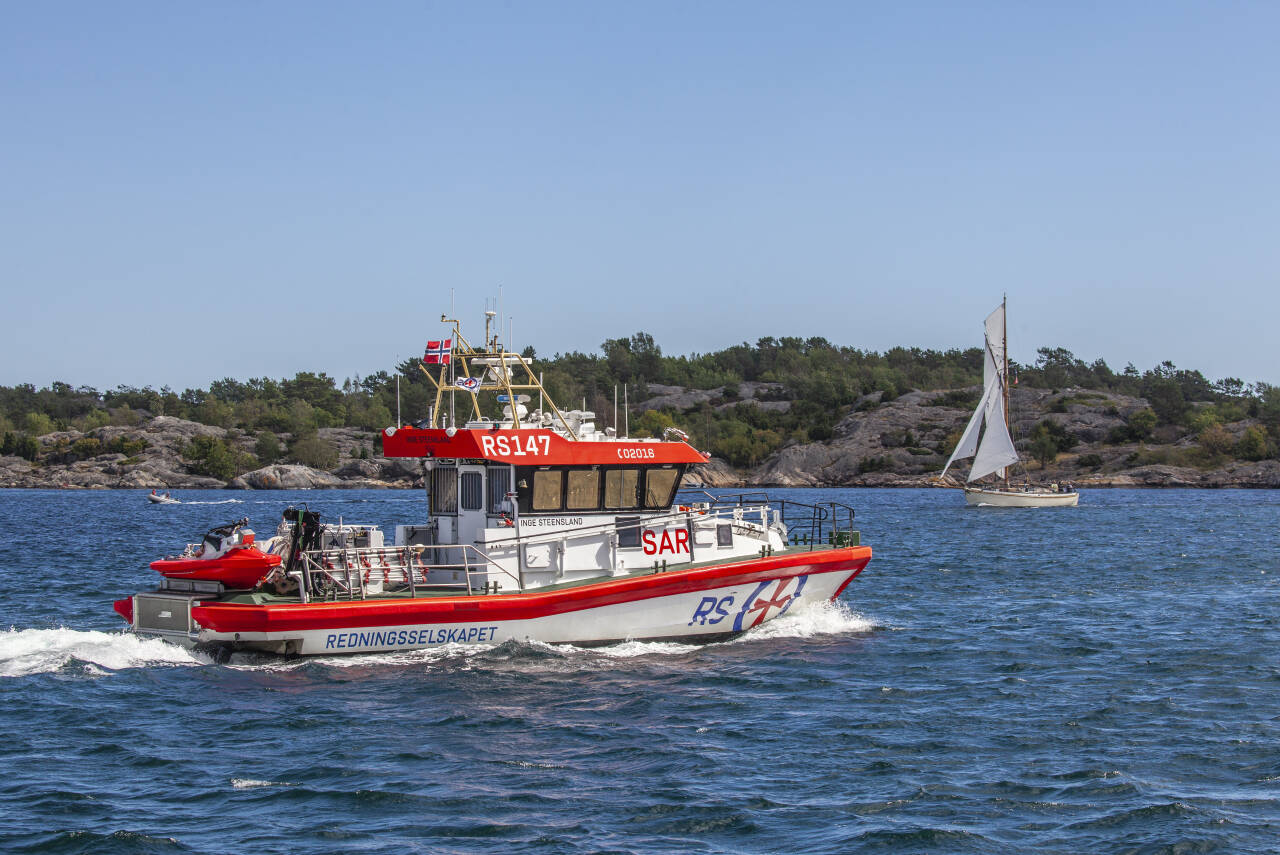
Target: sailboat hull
(981,497)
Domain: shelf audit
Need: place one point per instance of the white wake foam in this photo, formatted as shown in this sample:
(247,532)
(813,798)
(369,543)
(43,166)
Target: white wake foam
(825,618)
(253,784)
(42,651)
(219,502)
(248,661)
(629,649)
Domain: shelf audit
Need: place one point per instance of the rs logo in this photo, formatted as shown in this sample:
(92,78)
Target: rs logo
(755,609)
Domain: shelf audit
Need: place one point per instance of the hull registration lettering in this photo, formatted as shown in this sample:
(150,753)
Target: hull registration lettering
(408,637)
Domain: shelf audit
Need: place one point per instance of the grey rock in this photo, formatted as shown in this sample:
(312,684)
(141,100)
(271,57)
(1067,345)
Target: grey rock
(358,469)
(285,477)
(714,473)
(681,400)
(894,443)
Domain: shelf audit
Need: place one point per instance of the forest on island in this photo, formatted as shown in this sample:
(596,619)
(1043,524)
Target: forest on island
(821,381)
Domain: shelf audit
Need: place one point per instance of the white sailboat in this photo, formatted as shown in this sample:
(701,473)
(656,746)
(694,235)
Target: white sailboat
(986,437)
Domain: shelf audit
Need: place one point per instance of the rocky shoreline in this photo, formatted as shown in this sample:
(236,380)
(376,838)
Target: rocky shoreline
(900,443)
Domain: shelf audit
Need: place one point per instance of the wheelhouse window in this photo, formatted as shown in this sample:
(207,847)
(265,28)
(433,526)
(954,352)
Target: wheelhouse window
(499,486)
(444,490)
(593,488)
(659,487)
(583,493)
(628,532)
(472,491)
(548,489)
(620,488)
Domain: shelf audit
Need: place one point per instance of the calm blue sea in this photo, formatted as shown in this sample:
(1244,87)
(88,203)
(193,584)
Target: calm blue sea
(1098,679)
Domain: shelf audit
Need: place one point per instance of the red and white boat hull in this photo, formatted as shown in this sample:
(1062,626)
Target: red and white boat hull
(699,603)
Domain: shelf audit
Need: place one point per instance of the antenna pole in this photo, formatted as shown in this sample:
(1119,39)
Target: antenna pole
(453,413)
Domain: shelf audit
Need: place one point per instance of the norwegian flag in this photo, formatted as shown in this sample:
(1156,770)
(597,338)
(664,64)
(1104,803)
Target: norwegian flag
(438,352)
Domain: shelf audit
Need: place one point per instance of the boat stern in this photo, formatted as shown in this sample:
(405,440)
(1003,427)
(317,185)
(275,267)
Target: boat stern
(161,614)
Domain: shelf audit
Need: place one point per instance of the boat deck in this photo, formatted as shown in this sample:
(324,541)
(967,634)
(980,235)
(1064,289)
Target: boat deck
(263,598)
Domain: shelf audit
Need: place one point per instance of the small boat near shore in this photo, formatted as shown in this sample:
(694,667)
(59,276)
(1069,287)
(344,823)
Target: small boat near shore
(987,440)
(537,526)
(162,498)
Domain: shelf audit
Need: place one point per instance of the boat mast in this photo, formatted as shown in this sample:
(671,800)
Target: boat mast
(1004,377)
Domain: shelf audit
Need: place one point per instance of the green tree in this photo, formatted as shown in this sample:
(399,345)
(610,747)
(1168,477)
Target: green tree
(211,411)
(1059,367)
(216,458)
(86,447)
(93,420)
(1203,420)
(1216,441)
(651,423)
(267,448)
(1166,388)
(1048,439)
(1253,444)
(126,445)
(1142,423)
(24,446)
(1044,449)
(315,452)
(369,414)
(38,424)
(1269,405)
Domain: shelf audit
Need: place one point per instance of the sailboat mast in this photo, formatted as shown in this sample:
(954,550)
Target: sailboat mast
(1004,378)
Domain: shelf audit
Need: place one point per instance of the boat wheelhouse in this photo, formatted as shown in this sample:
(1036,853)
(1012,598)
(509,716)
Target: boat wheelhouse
(539,525)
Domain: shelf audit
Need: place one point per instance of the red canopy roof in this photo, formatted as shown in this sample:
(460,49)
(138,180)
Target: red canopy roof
(531,447)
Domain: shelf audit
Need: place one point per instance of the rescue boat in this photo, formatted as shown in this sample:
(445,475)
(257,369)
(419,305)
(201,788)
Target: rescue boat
(537,526)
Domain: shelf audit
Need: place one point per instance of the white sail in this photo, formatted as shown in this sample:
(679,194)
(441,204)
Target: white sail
(968,444)
(986,436)
(994,362)
(996,450)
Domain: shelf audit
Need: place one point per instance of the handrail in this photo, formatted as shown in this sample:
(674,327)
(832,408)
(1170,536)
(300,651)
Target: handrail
(582,531)
(815,526)
(467,548)
(809,525)
(344,582)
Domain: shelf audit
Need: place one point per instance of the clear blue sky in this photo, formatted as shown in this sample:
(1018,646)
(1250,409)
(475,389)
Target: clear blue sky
(195,191)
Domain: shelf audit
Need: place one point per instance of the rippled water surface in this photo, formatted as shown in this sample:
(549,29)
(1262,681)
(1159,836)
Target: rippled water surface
(1097,679)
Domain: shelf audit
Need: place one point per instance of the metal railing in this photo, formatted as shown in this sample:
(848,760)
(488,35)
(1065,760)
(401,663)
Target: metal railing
(355,573)
(640,520)
(812,525)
